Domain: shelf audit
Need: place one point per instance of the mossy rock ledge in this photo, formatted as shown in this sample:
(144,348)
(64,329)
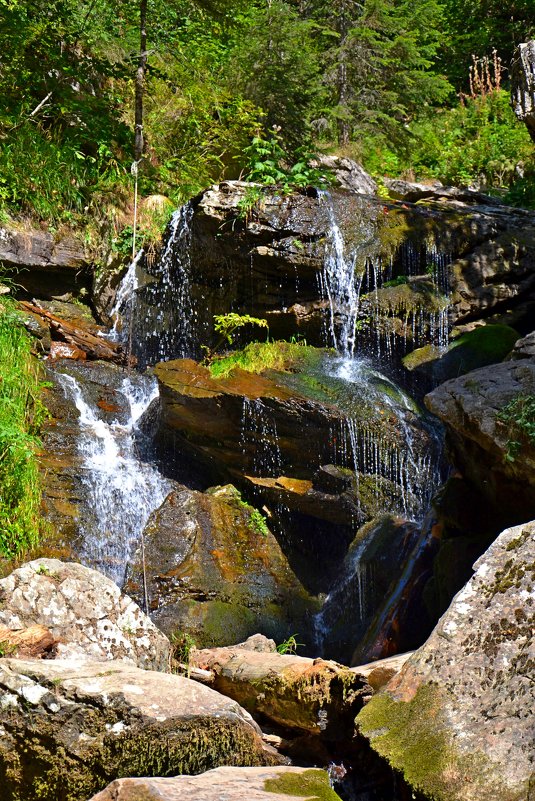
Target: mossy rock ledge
(458,720)
(69,728)
(275,429)
(257,784)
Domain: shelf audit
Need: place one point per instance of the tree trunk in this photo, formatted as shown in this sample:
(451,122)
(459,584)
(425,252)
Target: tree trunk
(343,87)
(140,81)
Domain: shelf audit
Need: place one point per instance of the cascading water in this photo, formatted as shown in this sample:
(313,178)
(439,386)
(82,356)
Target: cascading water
(338,284)
(414,471)
(122,489)
(154,315)
(259,435)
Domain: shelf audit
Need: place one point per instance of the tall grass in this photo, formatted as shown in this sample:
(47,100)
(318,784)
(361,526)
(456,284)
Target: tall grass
(21,415)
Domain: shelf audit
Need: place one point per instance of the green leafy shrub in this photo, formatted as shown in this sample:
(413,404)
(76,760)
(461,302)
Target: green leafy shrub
(21,415)
(270,165)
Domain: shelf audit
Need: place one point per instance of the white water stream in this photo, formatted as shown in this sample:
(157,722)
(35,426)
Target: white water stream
(123,490)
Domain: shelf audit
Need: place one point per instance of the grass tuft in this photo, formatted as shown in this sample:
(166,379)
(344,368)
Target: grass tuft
(21,415)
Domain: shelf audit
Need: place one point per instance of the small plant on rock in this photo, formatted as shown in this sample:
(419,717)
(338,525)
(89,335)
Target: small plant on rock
(290,645)
(519,417)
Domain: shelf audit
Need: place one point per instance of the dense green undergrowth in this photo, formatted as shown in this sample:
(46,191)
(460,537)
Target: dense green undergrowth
(21,415)
(250,88)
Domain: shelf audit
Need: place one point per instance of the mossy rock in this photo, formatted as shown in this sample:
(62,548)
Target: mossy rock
(413,737)
(312,784)
(481,347)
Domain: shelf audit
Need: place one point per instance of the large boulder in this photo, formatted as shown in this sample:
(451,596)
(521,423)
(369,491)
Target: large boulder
(523,85)
(325,449)
(494,453)
(45,265)
(215,570)
(458,719)
(257,784)
(85,611)
(68,729)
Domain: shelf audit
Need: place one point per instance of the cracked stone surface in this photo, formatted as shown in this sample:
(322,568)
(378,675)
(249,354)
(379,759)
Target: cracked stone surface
(468,693)
(69,728)
(86,611)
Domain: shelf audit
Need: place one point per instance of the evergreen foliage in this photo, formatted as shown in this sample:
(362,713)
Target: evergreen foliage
(373,79)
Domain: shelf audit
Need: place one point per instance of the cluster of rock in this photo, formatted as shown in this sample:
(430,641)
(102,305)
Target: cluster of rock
(454,718)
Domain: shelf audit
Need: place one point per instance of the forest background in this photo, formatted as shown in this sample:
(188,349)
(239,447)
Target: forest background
(410,88)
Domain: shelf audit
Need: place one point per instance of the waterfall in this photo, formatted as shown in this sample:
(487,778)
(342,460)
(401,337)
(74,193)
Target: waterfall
(154,314)
(123,490)
(414,472)
(339,285)
(259,436)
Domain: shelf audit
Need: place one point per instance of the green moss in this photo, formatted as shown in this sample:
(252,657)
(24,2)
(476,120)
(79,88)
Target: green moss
(226,623)
(259,356)
(413,737)
(483,346)
(312,784)
(517,542)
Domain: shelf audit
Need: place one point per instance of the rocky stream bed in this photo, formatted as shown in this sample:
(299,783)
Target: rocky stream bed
(348,488)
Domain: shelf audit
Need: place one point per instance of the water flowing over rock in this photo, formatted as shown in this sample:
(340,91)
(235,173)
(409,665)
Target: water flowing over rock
(458,719)
(333,442)
(523,85)
(381,578)
(86,613)
(257,784)
(153,313)
(215,570)
(315,264)
(68,729)
(101,481)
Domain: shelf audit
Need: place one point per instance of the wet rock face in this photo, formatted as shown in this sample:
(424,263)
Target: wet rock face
(480,442)
(257,784)
(264,254)
(523,85)
(70,729)
(293,439)
(388,556)
(216,571)
(85,611)
(458,719)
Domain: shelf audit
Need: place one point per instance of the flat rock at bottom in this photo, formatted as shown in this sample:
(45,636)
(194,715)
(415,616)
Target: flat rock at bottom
(85,611)
(255,784)
(68,729)
(458,720)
